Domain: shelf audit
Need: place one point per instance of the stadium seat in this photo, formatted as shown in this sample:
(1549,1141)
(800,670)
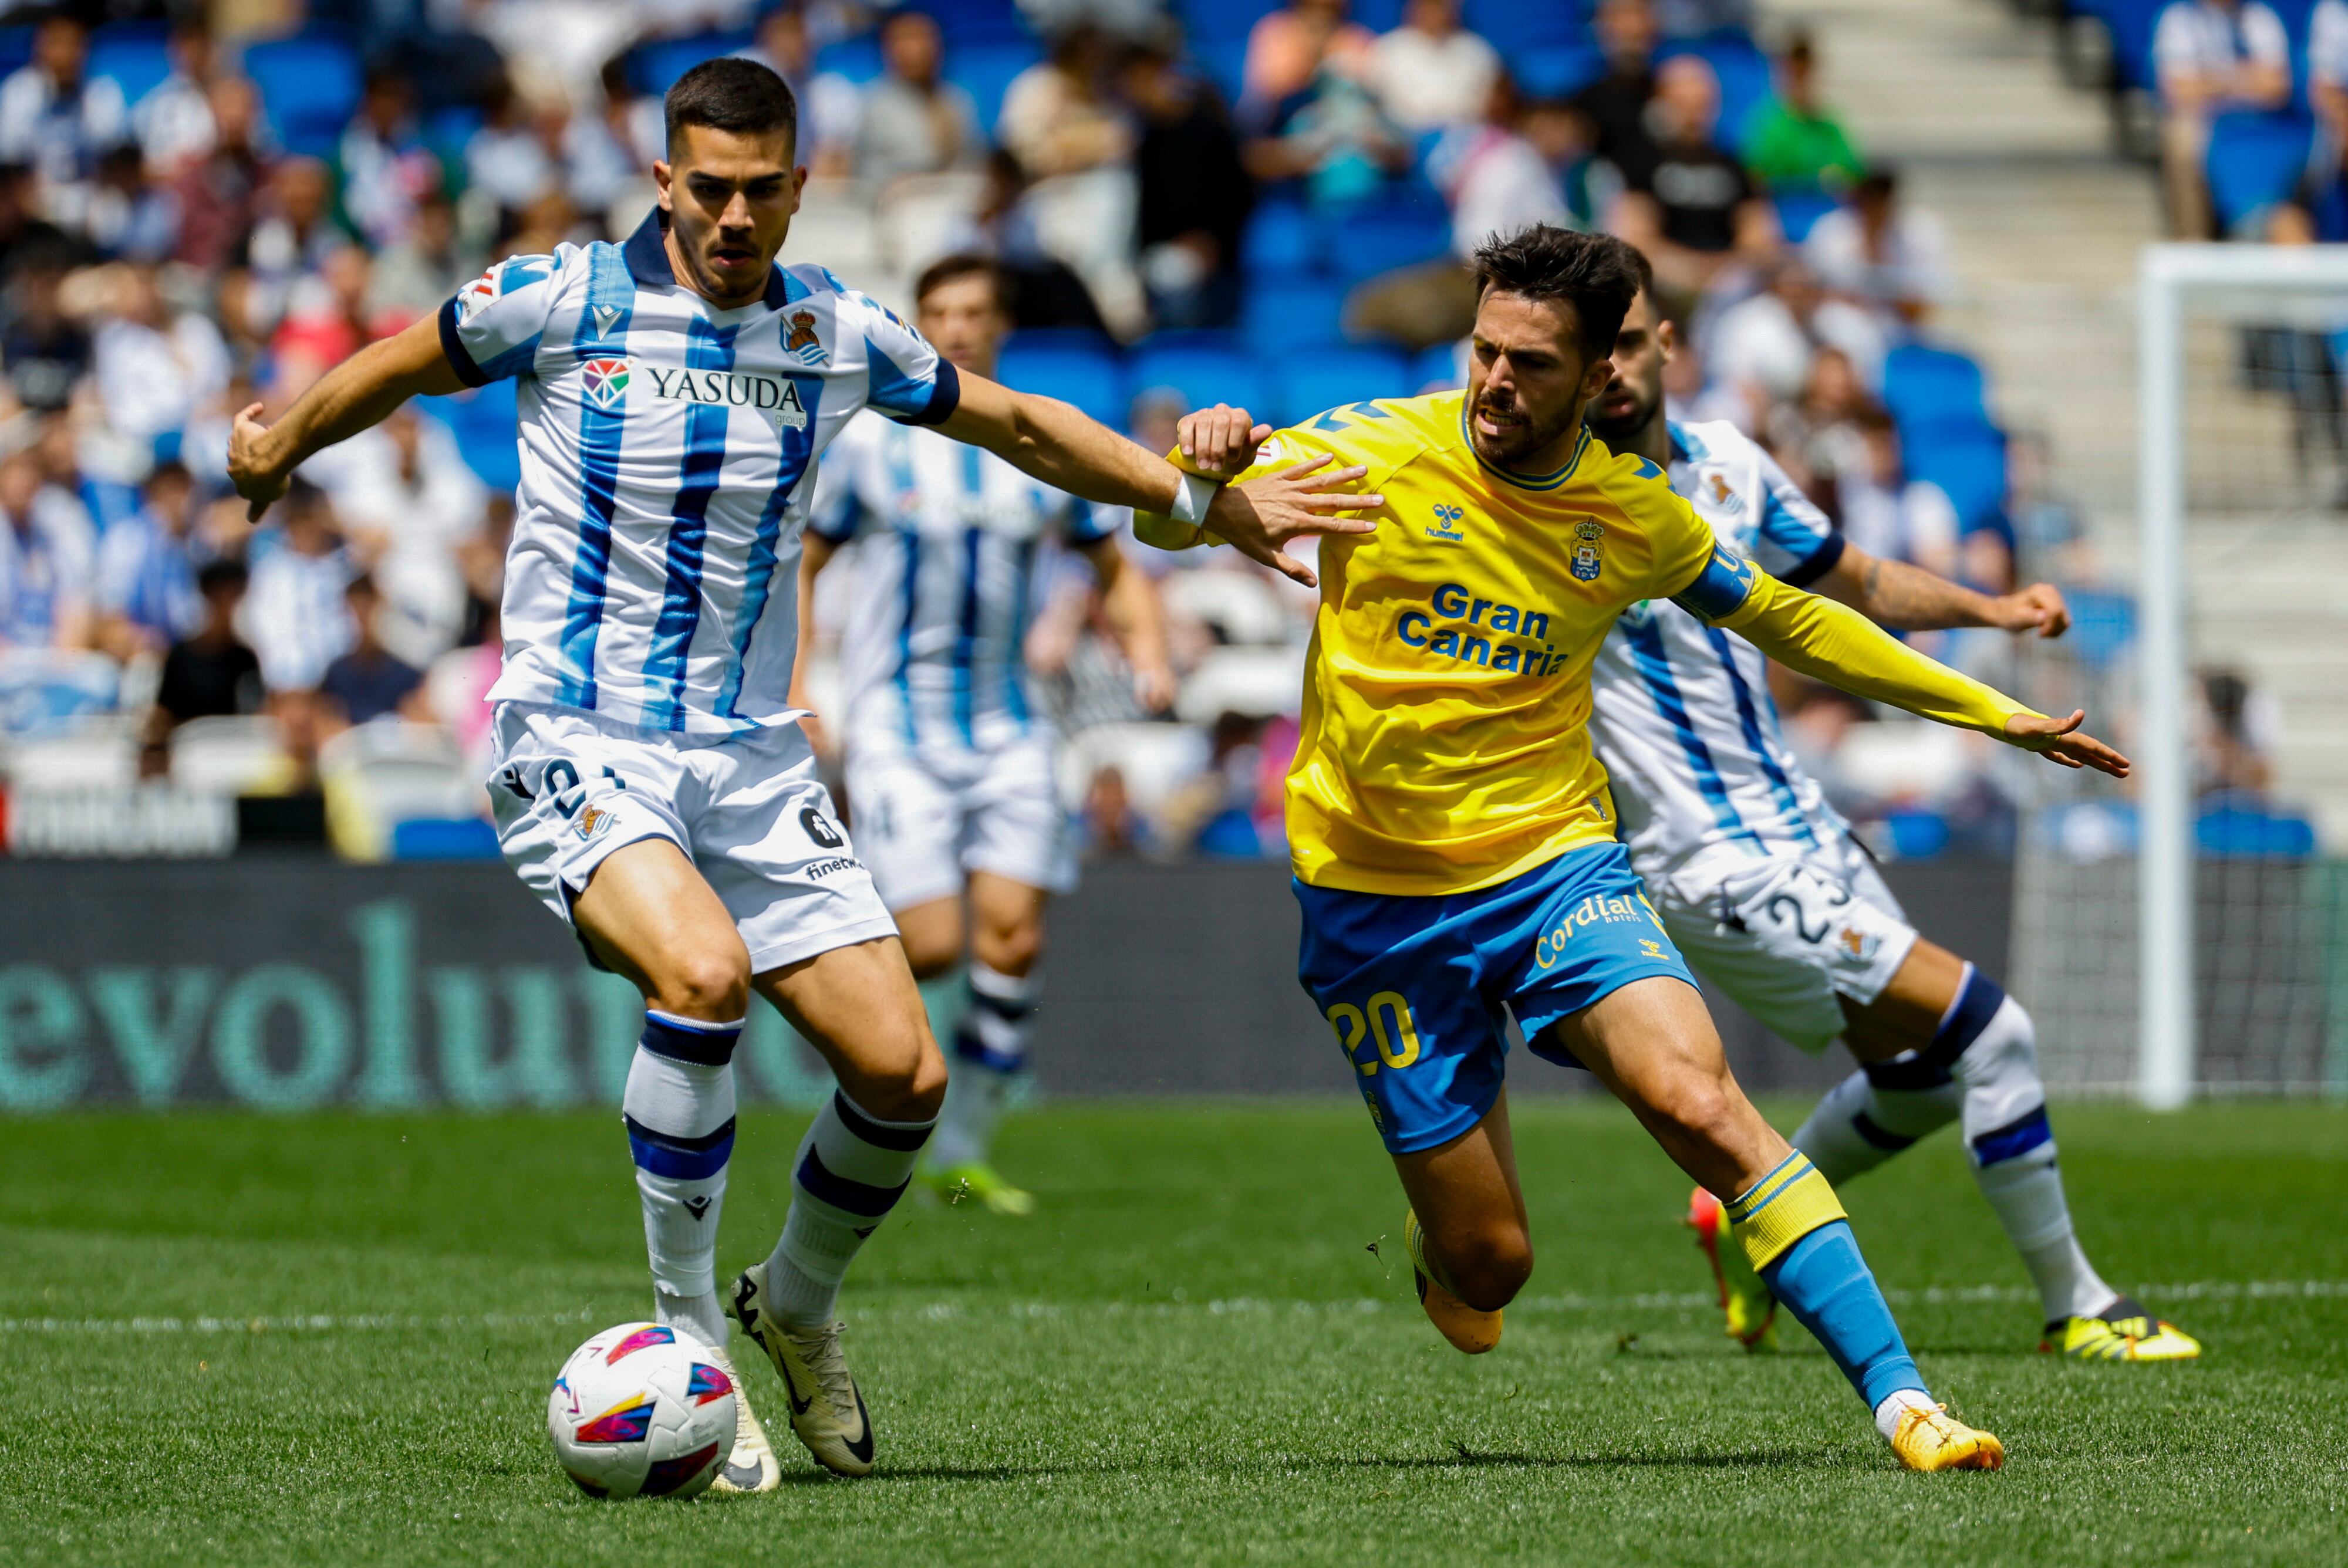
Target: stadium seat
(1435,367)
(1967,461)
(1558,70)
(655,65)
(15,48)
(92,755)
(1240,606)
(1925,385)
(132,55)
(857,59)
(1221,58)
(483,421)
(444,839)
(1513,26)
(1370,243)
(1282,237)
(229,754)
(1257,681)
(2256,160)
(1075,372)
(1203,370)
(1156,760)
(969,22)
(381,774)
(1799,212)
(2102,625)
(47,693)
(309,84)
(985,70)
(1282,313)
(1311,382)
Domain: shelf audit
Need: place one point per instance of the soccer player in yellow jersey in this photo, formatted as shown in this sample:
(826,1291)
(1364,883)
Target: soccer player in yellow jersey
(1451,831)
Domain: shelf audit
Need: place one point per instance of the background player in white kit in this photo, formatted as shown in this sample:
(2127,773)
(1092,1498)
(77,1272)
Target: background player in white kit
(1767,892)
(949,764)
(651,783)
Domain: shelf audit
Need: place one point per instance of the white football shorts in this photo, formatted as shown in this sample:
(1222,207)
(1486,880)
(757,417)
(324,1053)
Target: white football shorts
(927,819)
(568,787)
(1786,936)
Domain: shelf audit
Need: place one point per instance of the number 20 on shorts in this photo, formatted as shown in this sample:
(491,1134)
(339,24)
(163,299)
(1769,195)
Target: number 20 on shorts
(1387,1019)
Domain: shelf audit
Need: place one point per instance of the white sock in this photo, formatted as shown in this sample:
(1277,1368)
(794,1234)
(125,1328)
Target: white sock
(1861,1123)
(678,1106)
(851,1169)
(1887,1414)
(990,1052)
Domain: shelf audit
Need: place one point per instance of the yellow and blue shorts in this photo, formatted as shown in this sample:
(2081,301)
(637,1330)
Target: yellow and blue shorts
(1415,986)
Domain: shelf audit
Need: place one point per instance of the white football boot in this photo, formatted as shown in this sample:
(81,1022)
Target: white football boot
(827,1407)
(752,1466)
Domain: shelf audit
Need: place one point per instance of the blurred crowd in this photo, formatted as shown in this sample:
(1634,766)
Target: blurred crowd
(219,225)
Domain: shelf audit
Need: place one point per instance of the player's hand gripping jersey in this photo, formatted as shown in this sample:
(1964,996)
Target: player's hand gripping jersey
(1446,699)
(665,446)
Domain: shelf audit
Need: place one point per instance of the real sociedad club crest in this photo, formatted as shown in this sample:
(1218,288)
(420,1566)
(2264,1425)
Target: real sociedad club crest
(802,342)
(605,381)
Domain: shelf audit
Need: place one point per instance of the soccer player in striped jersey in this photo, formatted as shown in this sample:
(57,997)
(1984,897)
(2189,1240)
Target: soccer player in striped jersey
(1765,891)
(651,783)
(1453,834)
(948,767)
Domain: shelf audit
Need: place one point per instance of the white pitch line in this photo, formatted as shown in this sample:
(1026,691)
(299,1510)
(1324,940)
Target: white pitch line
(941,1311)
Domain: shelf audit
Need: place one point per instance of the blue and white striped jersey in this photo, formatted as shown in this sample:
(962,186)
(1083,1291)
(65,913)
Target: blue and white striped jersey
(653,572)
(933,653)
(1680,711)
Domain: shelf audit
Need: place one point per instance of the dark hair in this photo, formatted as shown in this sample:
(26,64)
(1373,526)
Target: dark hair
(169,468)
(225,573)
(733,94)
(1597,275)
(953,269)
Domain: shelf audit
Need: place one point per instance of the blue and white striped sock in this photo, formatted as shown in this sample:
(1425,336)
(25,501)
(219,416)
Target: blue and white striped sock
(852,1168)
(990,1052)
(679,1110)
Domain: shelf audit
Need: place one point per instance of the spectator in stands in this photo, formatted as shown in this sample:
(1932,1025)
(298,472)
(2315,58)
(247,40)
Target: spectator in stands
(47,553)
(45,351)
(1058,117)
(370,681)
(410,505)
(1108,825)
(148,594)
(1800,145)
(1616,103)
(209,673)
(1879,250)
(23,233)
(57,117)
(412,278)
(829,104)
(385,166)
(1287,48)
(1692,210)
(174,122)
(2210,57)
(294,617)
(1888,515)
(1046,292)
(1333,138)
(2235,733)
(1763,344)
(1195,194)
(156,365)
(1430,72)
(219,192)
(128,215)
(1817,436)
(913,121)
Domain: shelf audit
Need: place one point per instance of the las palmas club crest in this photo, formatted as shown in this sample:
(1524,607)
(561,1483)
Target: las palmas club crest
(606,380)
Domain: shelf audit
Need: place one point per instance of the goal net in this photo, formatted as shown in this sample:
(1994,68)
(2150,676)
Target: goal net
(2184,476)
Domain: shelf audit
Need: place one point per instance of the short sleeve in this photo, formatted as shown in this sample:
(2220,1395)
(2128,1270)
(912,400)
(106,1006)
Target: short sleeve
(909,381)
(1796,543)
(1693,568)
(2263,35)
(490,329)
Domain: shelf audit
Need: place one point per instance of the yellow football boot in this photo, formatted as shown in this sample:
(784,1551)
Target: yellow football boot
(2124,1331)
(1934,1440)
(1752,1311)
(956,1182)
(1470,1332)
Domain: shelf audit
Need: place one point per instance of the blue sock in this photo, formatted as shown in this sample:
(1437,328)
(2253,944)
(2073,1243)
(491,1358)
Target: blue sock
(1827,1285)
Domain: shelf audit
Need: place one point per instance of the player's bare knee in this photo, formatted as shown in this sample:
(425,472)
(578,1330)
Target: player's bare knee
(908,1083)
(1706,1110)
(702,984)
(1011,948)
(1489,1268)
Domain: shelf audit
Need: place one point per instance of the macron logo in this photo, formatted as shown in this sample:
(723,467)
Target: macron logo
(776,396)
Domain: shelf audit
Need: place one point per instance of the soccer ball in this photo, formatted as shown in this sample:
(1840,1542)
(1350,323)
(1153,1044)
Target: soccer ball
(641,1411)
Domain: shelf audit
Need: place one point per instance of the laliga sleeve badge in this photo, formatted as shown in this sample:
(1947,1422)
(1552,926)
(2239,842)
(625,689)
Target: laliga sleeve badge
(1586,558)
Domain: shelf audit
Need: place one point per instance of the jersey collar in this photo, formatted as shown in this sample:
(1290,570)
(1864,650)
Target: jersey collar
(646,254)
(1525,481)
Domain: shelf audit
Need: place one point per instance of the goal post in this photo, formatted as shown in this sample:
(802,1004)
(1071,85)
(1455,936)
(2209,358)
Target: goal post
(2173,280)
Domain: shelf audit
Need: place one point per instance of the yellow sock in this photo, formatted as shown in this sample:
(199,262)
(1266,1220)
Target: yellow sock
(1781,1208)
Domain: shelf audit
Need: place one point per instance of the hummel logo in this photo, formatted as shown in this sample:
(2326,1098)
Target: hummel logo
(696,1207)
(1447,520)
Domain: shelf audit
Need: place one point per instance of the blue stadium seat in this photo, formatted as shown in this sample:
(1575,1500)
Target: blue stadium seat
(2131,23)
(1512,25)
(967,22)
(1435,366)
(1074,367)
(1967,461)
(483,421)
(1369,243)
(1799,212)
(1208,19)
(309,85)
(857,58)
(1319,379)
(2256,160)
(15,48)
(1558,70)
(132,55)
(984,71)
(1205,368)
(2102,625)
(655,65)
(1282,237)
(1925,385)
(1221,58)
(1280,313)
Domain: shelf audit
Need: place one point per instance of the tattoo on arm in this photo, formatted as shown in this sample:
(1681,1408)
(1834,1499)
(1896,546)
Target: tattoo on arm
(1910,598)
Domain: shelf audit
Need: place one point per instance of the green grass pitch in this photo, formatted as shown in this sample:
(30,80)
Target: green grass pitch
(1191,1353)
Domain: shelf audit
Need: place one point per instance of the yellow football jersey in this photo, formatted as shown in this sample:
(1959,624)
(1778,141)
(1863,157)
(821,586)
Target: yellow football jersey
(1445,745)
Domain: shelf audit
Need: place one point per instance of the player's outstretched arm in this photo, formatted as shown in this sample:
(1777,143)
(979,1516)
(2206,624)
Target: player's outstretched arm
(360,392)
(1910,599)
(1052,442)
(1823,640)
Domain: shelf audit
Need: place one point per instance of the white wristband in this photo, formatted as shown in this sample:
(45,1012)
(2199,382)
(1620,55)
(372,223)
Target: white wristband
(1192,501)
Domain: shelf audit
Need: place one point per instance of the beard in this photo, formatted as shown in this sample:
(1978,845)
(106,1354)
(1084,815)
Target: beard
(1515,442)
(1620,427)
